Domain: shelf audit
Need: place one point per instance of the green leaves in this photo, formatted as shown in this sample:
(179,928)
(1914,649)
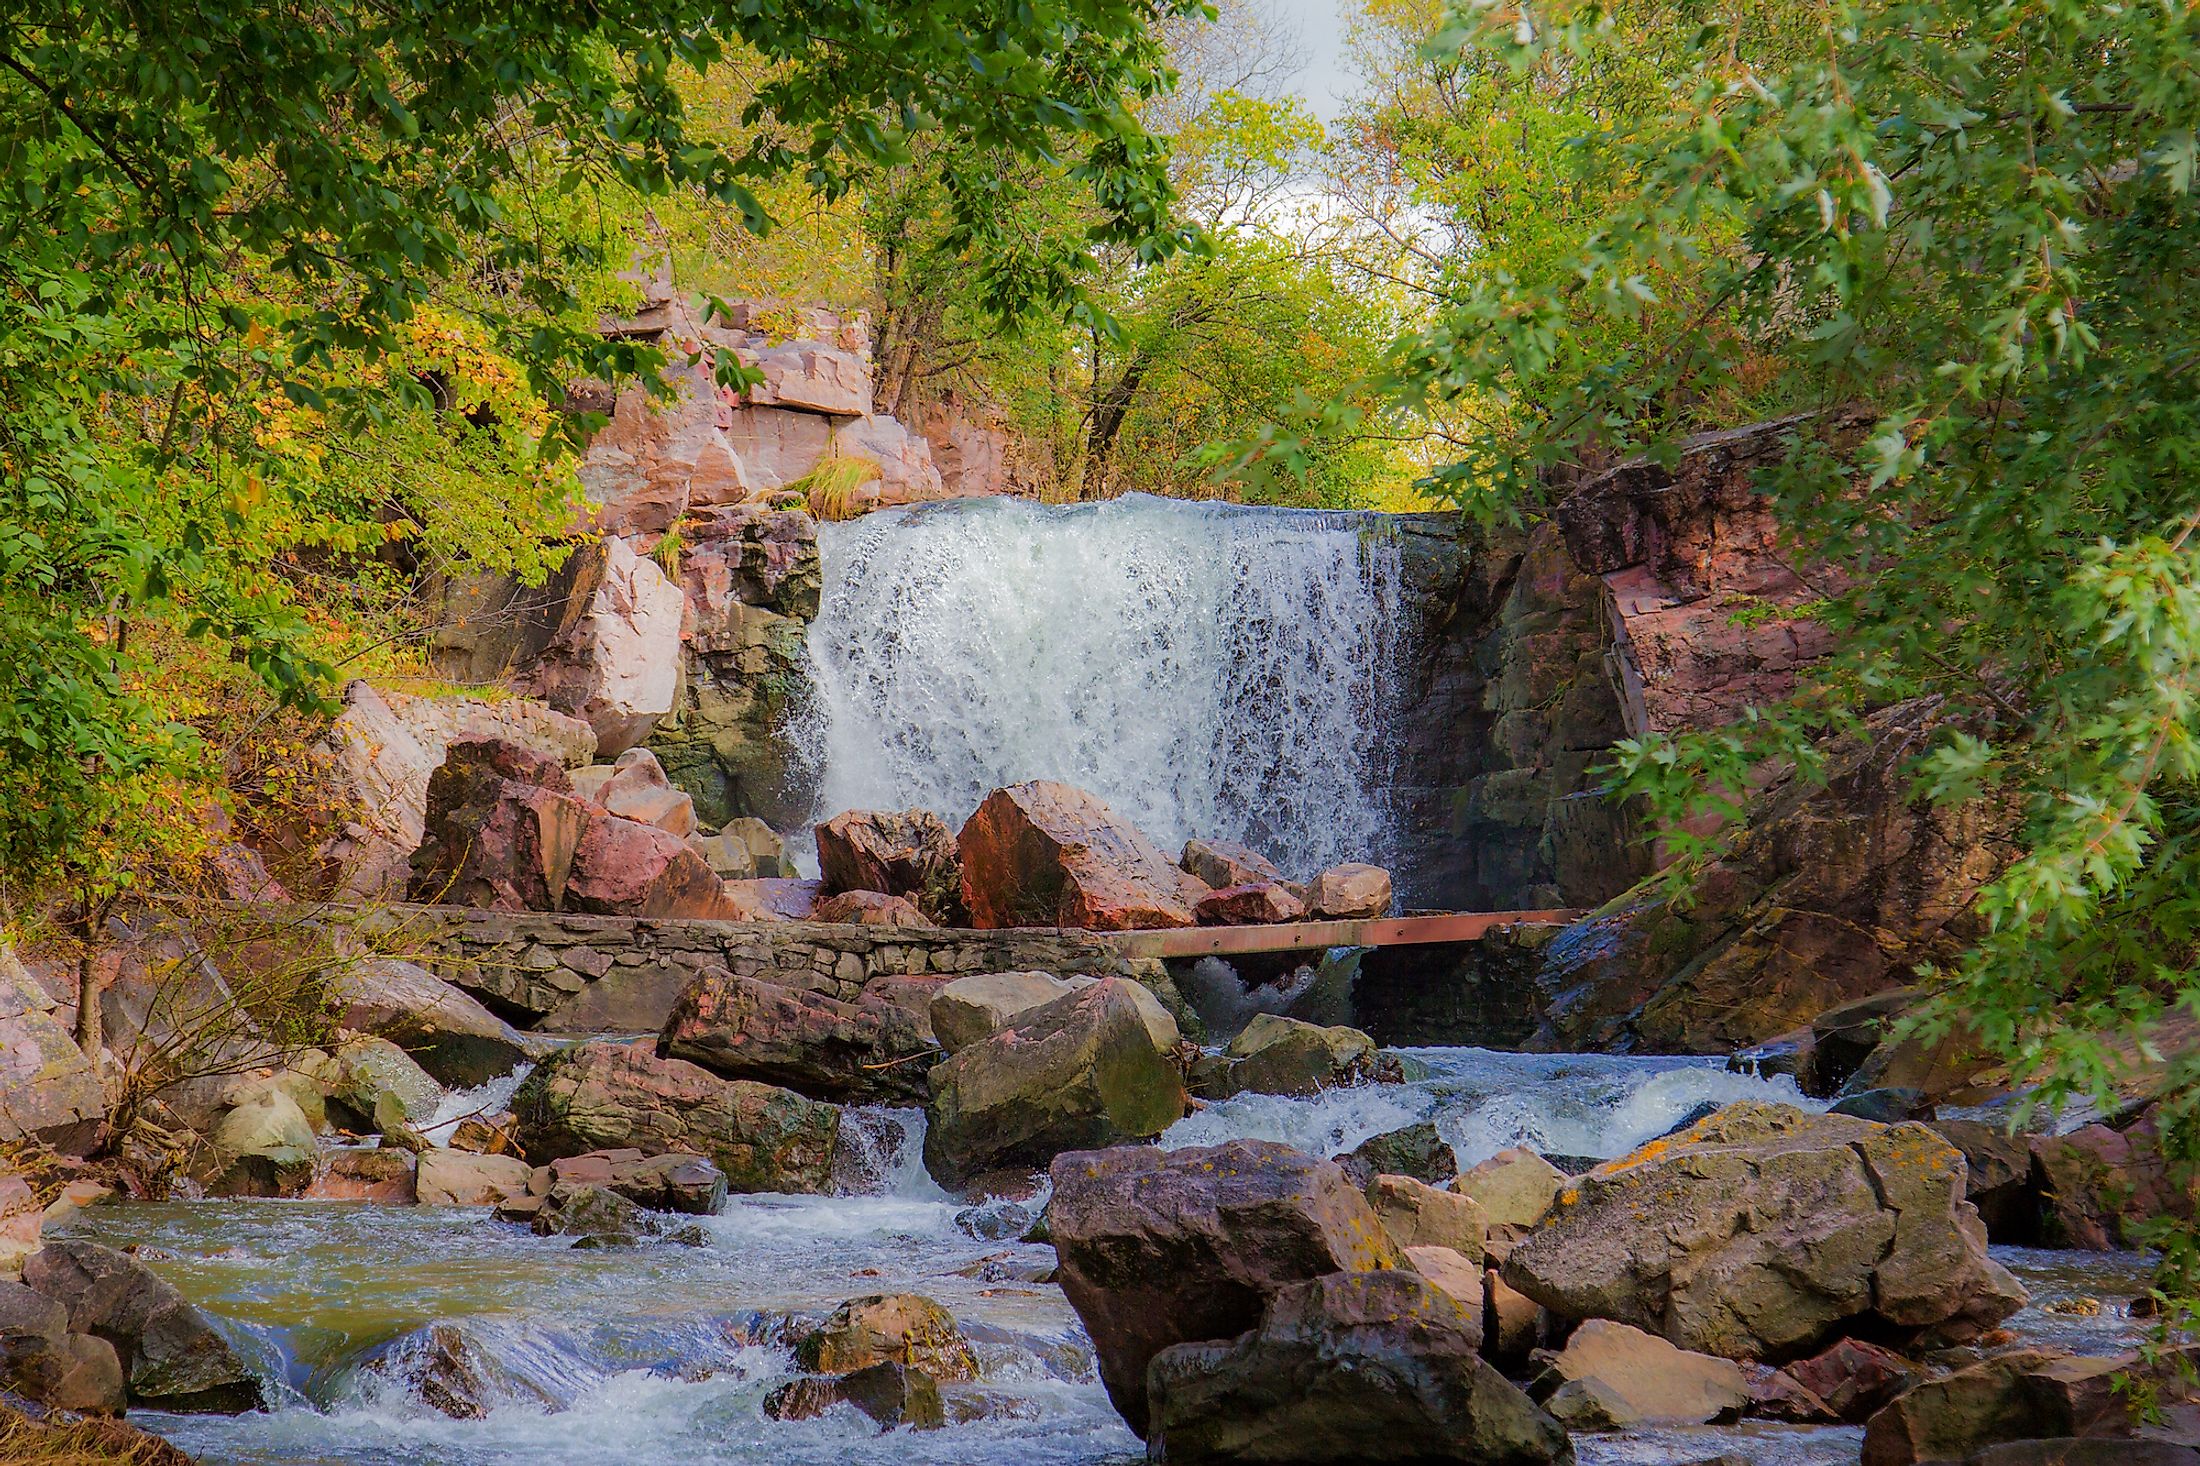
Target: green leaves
(1972,224)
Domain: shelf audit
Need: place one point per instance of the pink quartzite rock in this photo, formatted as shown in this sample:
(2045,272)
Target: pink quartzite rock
(900,852)
(1248,905)
(1046,854)
(743,1028)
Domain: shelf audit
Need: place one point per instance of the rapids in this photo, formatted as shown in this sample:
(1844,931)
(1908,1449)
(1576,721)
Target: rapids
(663,1353)
(1207,669)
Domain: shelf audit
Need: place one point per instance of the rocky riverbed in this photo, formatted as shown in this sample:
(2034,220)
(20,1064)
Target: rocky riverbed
(442,1335)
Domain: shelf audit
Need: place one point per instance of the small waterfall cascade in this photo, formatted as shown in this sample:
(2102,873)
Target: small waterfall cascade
(1209,670)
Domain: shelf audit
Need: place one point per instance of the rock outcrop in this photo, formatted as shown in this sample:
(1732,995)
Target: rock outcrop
(1045,854)
(506,831)
(445,1029)
(1349,891)
(742,1028)
(48,1089)
(617,666)
(609,1094)
(376,760)
(1351,1367)
(1161,1248)
(751,579)
(1094,1067)
(1830,894)
(173,1358)
(899,852)
(1764,1231)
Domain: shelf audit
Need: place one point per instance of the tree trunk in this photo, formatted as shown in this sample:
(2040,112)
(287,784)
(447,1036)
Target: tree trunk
(90,1034)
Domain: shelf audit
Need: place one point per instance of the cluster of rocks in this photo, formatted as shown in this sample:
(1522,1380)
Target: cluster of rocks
(1045,854)
(1251,1303)
(507,827)
(91,1331)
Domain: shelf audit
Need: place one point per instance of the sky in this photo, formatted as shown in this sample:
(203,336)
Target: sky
(1322,79)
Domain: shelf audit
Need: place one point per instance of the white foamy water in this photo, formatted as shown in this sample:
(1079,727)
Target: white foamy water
(1207,669)
(1482,1101)
(483,1099)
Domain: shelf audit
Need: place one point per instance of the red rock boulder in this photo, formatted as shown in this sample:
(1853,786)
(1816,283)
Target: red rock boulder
(1170,1247)
(1045,854)
(900,852)
(1220,863)
(1254,904)
(502,828)
(871,908)
(741,1028)
(1349,891)
(505,830)
(623,867)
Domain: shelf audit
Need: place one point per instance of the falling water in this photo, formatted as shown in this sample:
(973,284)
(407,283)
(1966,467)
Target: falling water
(1207,669)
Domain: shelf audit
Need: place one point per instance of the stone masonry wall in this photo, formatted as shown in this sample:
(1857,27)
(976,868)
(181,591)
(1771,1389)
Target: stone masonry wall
(564,973)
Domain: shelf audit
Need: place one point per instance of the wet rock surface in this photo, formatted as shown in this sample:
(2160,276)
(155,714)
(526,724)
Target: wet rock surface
(1848,1223)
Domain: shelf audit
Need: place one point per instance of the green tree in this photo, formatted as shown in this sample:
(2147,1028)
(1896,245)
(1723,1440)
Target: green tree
(1975,218)
(218,217)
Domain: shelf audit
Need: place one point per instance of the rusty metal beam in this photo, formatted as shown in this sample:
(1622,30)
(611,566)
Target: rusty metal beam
(1295,936)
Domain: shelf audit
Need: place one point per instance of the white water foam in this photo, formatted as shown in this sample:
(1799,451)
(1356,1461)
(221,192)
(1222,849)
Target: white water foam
(1483,1101)
(1209,670)
(483,1099)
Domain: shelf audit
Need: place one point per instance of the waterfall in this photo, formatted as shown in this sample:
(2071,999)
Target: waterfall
(1209,670)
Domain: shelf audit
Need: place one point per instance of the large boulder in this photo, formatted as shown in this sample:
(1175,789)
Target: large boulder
(461,1178)
(1356,1366)
(1612,1377)
(671,1181)
(895,1328)
(1222,864)
(1045,854)
(1349,891)
(617,667)
(1416,1214)
(263,1147)
(502,826)
(446,1031)
(1259,903)
(375,1085)
(49,1091)
(606,1094)
(379,756)
(635,788)
(174,1358)
(2024,1394)
(744,1028)
(1094,1067)
(1278,1055)
(622,867)
(899,852)
(978,1006)
(1762,1231)
(1169,1247)
(1515,1188)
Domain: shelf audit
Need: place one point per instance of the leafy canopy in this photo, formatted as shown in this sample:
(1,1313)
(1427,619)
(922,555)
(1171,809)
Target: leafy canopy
(1976,220)
(283,291)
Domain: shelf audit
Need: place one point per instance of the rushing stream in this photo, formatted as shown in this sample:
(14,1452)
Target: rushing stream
(1207,669)
(663,1353)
